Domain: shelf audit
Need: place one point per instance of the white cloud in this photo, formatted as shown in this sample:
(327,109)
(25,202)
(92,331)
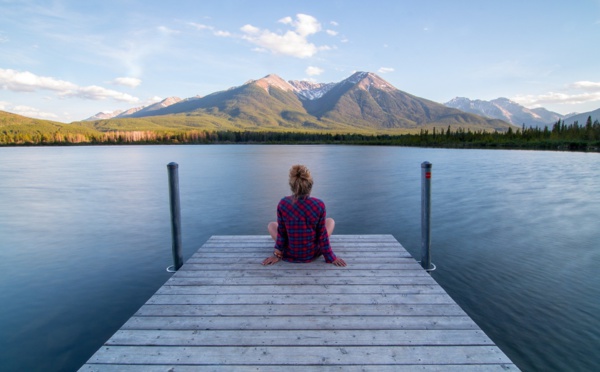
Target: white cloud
(222,33)
(3,39)
(586,85)
(96,93)
(556,98)
(292,43)
(569,96)
(331,32)
(4,105)
(249,29)
(25,81)
(127,81)
(385,70)
(286,20)
(334,23)
(314,71)
(306,25)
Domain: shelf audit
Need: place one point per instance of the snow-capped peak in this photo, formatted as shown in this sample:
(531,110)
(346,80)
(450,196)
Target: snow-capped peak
(309,90)
(357,77)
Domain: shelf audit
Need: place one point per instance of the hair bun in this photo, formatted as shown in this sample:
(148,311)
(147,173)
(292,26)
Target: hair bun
(300,180)
(301,171)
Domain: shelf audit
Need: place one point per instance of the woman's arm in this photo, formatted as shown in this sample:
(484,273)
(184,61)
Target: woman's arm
(282,237)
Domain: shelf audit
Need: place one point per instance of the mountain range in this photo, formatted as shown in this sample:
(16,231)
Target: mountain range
(363,102)
(516,114)
(507,110)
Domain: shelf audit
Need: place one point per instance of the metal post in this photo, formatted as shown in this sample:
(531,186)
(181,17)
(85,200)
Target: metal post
(175,216)
(426,216)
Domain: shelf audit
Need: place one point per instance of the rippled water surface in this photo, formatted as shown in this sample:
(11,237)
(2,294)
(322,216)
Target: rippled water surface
(85,235)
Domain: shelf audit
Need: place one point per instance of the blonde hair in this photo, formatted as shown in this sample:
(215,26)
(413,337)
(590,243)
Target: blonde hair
(301,181)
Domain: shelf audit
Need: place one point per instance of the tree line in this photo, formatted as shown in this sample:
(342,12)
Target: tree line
(559,137)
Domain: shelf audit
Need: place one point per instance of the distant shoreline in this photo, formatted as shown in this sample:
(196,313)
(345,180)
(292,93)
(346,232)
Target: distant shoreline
(454,140)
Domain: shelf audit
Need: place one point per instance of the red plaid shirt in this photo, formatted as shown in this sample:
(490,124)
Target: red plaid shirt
(301,234)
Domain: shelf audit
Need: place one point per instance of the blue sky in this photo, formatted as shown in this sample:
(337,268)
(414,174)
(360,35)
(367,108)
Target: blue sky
(67,60)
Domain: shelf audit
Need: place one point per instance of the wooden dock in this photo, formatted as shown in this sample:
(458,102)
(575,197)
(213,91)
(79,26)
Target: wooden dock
(224,311)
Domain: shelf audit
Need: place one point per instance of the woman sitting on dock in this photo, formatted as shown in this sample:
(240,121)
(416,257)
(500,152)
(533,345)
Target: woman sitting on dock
(302,230)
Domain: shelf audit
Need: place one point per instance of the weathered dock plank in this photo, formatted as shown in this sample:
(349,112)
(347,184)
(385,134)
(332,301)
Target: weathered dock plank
(383,337)
(224,311)
(346,322)
(301,355)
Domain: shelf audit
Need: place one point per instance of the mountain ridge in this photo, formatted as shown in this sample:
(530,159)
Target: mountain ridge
(362,102)
(311,95)
(507,110)
(581,119)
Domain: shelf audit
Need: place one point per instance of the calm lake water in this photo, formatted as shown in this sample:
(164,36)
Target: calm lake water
(85,235)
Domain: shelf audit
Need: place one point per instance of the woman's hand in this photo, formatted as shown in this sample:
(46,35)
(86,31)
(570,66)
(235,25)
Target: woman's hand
(339,262)
(271,260)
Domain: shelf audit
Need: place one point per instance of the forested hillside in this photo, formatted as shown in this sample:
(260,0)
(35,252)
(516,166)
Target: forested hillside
(18,130)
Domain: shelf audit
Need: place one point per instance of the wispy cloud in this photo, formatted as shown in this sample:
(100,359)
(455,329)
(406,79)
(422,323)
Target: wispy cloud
(203,27)
(96,93)
(222,33)
(25,81)
(586,85)
(33,112)
(293,42)
(127,81)
(153,99)
(28,111)
(129,49)
(570,95)
(385,70)
(556,98)
(167,31)
(314,71)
